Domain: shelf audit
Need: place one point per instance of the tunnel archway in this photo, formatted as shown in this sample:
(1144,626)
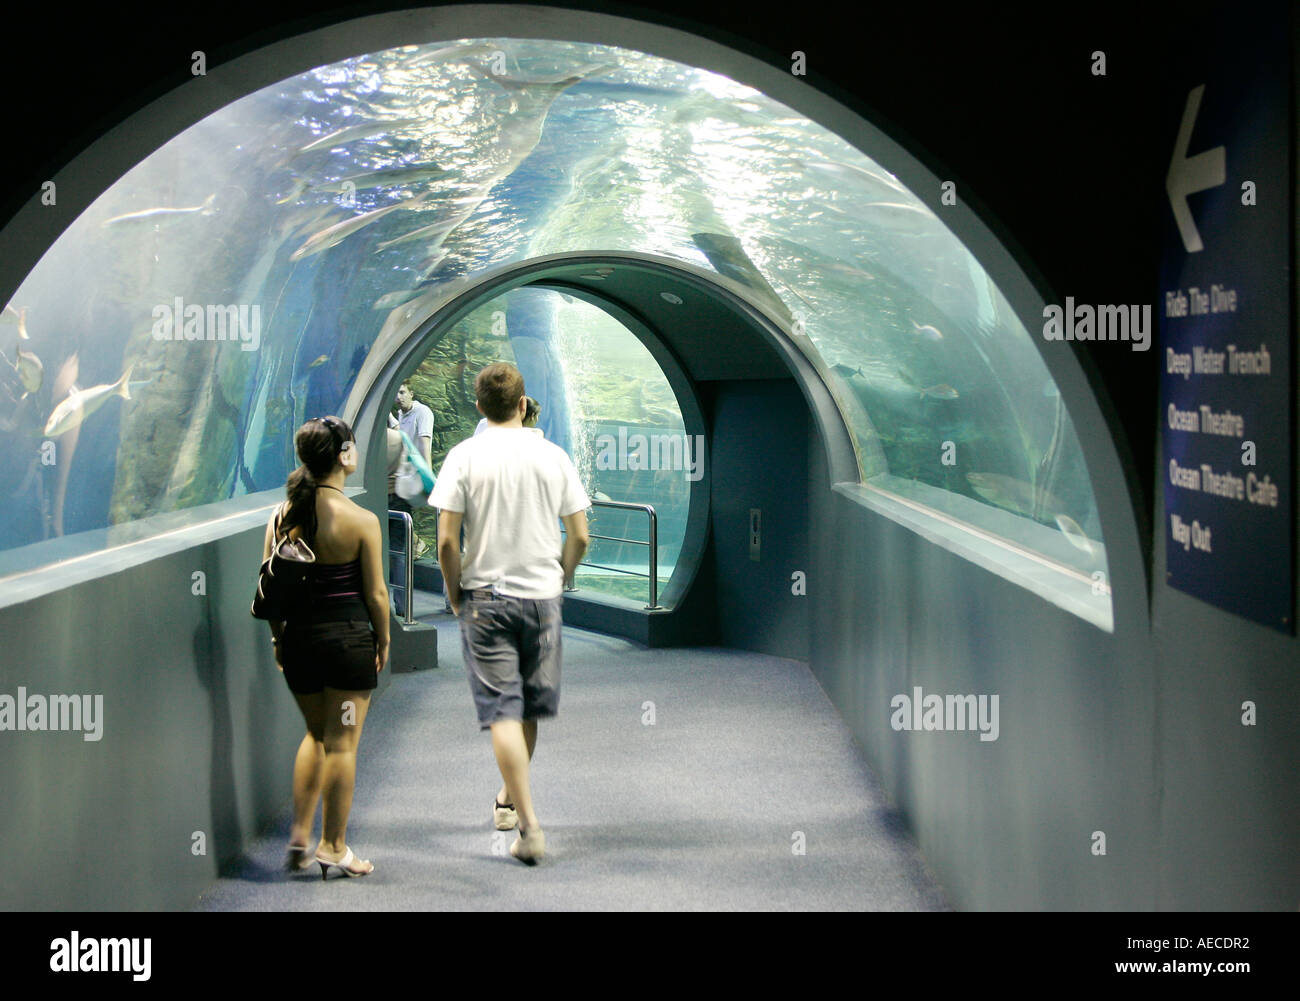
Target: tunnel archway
(636,290)
(1114,501)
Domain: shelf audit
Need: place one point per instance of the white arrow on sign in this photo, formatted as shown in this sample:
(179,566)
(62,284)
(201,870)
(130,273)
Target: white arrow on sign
(1188,175)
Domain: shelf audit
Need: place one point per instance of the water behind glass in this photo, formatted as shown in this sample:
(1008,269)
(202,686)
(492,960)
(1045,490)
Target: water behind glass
(320,204)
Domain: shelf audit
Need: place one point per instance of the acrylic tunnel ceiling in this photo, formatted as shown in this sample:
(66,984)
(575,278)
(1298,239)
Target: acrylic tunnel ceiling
(164,350)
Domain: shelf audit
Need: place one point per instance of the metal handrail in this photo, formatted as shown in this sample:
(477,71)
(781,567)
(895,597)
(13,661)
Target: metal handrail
(653,544)
(409,588)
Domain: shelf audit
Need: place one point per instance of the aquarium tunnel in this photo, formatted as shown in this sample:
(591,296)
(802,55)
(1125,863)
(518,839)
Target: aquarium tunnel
(735,300)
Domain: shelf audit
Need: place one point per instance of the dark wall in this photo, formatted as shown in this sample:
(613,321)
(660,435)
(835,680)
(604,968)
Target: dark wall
(759,459)
(199,733)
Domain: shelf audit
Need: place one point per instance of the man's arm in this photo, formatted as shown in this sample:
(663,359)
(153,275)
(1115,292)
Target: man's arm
(576,541)
(449,555)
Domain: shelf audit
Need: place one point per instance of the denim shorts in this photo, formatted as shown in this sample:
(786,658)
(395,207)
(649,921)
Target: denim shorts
(511,648)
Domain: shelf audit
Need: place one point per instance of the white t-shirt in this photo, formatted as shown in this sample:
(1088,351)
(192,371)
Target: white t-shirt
(512,486)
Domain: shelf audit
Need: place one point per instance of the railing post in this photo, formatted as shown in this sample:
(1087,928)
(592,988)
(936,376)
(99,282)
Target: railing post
(649,510)
(654,558)
(409,579)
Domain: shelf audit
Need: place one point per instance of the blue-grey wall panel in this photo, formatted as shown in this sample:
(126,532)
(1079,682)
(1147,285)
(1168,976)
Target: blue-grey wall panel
(198,734)
(759,456)
(1135,735)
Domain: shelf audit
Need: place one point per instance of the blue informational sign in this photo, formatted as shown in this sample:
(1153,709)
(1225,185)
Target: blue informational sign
(1226,330)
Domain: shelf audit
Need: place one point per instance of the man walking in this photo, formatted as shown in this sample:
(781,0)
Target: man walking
(416,420)
(510,485)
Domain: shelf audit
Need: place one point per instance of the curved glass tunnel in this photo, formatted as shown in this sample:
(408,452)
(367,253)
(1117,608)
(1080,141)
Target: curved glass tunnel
(893,490)
(233,283)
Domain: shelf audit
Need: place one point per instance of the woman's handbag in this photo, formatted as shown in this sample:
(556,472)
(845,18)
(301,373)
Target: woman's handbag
(284,580)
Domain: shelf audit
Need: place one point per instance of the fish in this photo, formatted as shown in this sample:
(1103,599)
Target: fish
(431,265)
(898,215)
(939,391)
(1047,464)
(519,83)
(391,299)
(449,53)
(1009,493)
(146,215)
(299,186)
(729,259)
(339,232)
(1075,535)
(319,362)
(385,177)
(926,331)
(845,371)
(31,373)
(65,382)
(81,403)
(22,322)
(361,131)
(879,178)
(702,107)
(66,377)
(442,229)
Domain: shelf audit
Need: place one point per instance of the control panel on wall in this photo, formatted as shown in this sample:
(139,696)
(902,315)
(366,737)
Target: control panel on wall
(755,532)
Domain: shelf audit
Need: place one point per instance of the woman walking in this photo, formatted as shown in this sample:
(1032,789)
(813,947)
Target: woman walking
(331,654)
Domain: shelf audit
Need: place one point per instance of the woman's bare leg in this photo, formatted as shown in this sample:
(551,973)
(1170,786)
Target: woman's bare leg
(345,715)
(308,768)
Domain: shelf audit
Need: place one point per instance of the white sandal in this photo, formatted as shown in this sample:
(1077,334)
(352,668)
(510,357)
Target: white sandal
(343,864)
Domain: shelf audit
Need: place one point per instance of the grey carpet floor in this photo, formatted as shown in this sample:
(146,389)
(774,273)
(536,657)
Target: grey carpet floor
(746,760)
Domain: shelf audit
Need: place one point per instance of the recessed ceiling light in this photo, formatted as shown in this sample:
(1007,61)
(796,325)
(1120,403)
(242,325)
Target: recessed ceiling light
(604,271)
(595,278)
(676,300)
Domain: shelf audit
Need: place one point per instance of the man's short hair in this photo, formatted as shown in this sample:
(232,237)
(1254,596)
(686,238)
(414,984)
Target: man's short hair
(498,389)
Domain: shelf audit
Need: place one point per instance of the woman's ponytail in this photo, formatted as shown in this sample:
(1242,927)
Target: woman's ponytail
(318,443)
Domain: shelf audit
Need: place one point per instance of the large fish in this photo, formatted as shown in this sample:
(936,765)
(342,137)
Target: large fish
(448,53)
(729,259)
(386,177)
(940,391)
(150,215)
(1074,534)
(339,232)
(435,232)
(81,403)
(392,299)
(520,132)
(898,216)
(31,373)
(879,178)
(558,79)
(1047,465)
(22,322)
(65,382)
(346,135)
(925,331)
(1012,494)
